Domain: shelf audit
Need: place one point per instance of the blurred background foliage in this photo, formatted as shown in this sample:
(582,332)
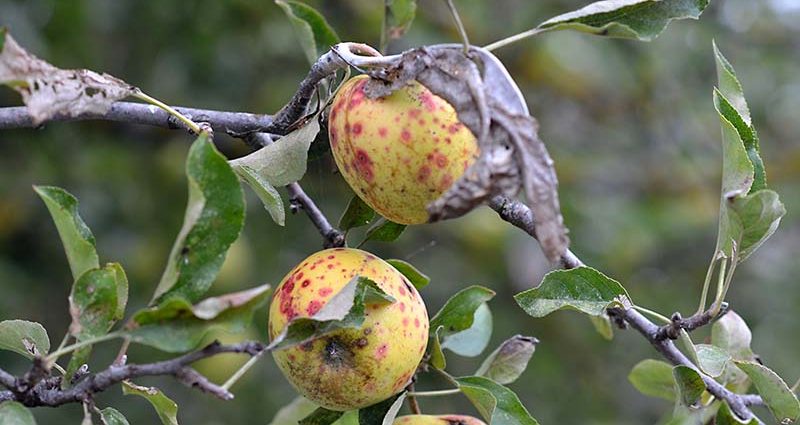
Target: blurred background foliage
(630,125)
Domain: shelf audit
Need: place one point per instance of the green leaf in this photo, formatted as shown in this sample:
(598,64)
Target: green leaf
(397,19)
(294,412)
(417,278)
(689,384)
(459,311)
(726,417)
(14,413)
(584,289)
(112,416)
(214,217)
(284,161)
(780,400)
(382,413)
(27,338)
(357,214)
(268,195)
(384,231)
(731,104)
(437,358)
(712,359)
(473,340)
(509,360)
(653,378)
(78,241)
(731,333)
(496,403)
(635,19)
(3,32)
(315,34)
(97,301)
(602,324)
(749,212)
(177,326)
(346,309)
(321,416)
(166,409)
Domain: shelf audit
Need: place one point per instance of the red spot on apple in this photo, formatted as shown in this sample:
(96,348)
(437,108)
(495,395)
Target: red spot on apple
(405,321)
(414,113)
(313,307)
(402,306)
(324,292)
(405,135)
(416,322)
(423,173)
(428,101)
(383,131)
(381,351)
(305,283)
(402,290)
(357,128)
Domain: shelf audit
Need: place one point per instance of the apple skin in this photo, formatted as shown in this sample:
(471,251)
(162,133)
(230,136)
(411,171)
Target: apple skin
(437,420)
(399,152)
(350,368)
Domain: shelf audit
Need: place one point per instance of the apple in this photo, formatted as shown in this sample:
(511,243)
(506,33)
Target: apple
(437,420)
(399,152)
(350,368)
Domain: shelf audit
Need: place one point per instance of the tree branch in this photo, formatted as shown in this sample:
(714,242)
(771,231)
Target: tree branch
(521,216)
(48,391)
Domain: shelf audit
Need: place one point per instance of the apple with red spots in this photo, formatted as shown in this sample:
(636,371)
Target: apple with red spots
(399,152)
(350,368)
(437,420)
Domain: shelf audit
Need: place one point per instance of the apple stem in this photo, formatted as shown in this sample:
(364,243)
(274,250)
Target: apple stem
(433,393)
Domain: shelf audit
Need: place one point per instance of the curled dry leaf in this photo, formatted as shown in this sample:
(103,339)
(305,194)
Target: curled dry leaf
(489,102)
(49,91)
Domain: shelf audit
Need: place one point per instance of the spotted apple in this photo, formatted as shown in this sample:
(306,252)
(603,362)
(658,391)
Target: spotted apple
(399,152)
(350,368)
(437,420)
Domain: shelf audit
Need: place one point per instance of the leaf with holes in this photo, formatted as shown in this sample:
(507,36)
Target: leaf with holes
(214,217)
(177,326)
(584,289)
(315,34)
(346,309)
(49,91)
(636,19)
(23,337)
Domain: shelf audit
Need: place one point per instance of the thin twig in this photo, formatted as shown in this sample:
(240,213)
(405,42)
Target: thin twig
(513,39)
(413,404)
(48,392)
(461,30)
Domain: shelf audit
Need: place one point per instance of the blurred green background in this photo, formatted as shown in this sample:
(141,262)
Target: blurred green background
(630,125)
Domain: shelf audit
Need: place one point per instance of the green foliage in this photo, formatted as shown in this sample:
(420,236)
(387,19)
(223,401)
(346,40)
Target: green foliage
(653,378)
(749,212)
(27,338)
(509,360)
(384,231)
(397,18)
(382,413)
(315,34)
(214,217)
(782,402)
(416,277)
(13,413)
(357,214)
(321,416)
(177,326)
(726,417)
(635,19)
(267,193)
(294,412)
(712,359)
(497,404)
(460,325)
(584,289)
(166,409)
(690,385)
(76,237)
(112,416)
(346,309)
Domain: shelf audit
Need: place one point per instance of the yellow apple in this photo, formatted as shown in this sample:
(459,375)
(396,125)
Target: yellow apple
(399,152)
(437,420)
(350,368)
